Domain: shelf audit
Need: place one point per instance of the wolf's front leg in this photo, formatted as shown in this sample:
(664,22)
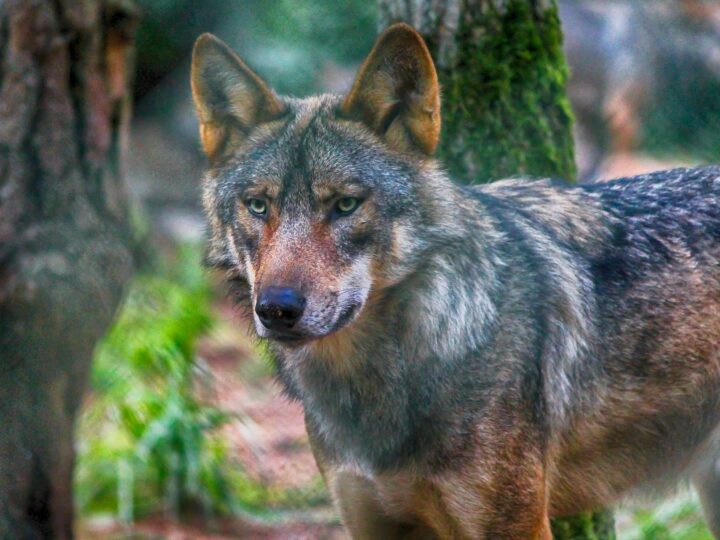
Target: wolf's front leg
(508,517)
(461,506)
(361,511)
(501,495)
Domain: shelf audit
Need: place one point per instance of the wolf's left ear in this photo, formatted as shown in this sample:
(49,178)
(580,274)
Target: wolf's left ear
(396,91)
(230,98)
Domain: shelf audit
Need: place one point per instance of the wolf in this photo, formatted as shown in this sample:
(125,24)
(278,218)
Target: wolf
(472,361)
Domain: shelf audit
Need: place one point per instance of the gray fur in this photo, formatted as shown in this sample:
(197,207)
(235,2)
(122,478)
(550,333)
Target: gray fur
(567,304)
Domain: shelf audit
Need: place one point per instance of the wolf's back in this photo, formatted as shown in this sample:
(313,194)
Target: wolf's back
(664,215)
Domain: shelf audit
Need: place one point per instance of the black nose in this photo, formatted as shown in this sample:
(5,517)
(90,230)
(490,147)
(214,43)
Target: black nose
(279,308)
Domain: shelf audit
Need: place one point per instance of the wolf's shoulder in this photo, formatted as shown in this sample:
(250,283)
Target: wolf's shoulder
(560,212)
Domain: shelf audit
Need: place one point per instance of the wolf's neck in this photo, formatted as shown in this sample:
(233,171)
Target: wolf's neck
(401,362)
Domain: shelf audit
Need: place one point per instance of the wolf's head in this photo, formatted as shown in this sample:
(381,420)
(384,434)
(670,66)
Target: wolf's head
(313,203)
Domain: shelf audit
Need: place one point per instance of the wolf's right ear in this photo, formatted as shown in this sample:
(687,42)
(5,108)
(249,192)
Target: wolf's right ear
(229,97)
(396,92)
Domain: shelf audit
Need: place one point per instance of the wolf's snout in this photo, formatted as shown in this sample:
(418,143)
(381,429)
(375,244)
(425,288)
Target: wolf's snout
(279,308)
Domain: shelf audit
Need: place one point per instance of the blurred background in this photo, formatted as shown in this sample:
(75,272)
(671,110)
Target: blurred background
(185,434)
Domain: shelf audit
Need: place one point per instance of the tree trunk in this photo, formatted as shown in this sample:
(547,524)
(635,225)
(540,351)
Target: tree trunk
(505,110)
(65,241)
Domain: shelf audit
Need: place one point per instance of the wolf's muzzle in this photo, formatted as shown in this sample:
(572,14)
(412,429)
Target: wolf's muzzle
(280,308)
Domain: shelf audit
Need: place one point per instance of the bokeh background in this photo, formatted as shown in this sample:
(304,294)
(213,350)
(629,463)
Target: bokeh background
(185,434)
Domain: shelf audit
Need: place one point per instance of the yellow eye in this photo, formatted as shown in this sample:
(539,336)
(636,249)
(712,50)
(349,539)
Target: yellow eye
(347,205)
(257,207)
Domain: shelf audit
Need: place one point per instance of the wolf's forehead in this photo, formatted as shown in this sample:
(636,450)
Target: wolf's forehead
(311,145)
(312,153)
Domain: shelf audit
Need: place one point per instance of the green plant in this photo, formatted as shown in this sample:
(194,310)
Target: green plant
(677,519)
(148,441)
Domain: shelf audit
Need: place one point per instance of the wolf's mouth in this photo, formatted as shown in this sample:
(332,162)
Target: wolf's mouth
(296,338)
(290,339)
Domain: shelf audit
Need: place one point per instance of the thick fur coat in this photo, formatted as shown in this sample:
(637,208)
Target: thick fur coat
(471,360)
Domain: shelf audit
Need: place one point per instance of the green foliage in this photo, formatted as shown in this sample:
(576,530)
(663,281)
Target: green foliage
(166,34)
(586,526)
(147,439)
(291,42)
(299,25)
(259,498)
(506,99)
(678,519)
(684,119)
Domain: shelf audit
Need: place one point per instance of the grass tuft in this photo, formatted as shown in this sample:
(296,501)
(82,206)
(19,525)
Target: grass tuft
(148,442)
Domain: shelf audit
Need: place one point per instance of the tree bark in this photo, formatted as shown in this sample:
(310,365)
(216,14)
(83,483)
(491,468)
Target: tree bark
(503,75)
(65,239)
(505,110)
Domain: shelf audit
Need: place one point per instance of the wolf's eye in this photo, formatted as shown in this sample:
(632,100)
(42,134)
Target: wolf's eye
(257,206)
(347,205)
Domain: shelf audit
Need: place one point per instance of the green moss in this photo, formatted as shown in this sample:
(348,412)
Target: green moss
(505,108)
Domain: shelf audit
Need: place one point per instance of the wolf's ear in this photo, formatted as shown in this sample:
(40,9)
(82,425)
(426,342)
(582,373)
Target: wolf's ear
(229,97)
(396,91)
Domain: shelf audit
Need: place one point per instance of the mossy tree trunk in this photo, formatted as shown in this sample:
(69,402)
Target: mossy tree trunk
(505,110)
(65,242)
